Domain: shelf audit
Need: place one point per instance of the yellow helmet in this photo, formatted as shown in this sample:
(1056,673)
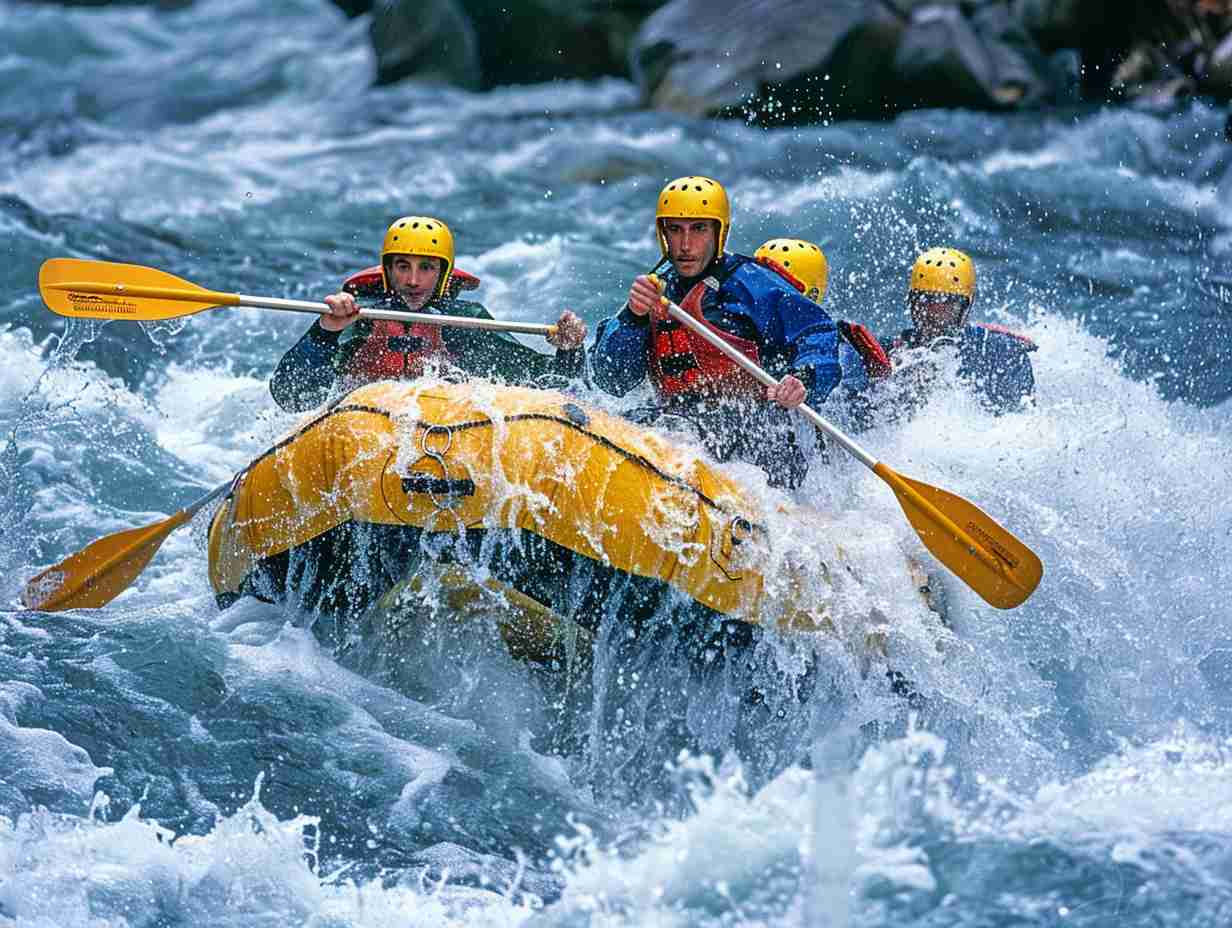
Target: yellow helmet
(419,235)
(693,197)
(803,260)
(943,270)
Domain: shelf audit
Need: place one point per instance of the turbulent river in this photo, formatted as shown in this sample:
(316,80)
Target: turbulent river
(163,762)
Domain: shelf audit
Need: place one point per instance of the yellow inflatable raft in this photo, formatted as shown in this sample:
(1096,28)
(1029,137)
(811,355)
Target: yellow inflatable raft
(560,503)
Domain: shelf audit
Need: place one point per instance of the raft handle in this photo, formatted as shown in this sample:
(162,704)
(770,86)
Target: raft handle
(437,486)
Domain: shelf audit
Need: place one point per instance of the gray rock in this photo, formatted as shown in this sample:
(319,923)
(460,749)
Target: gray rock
(429,40)
(800,61)
(794,62)
(1060,23)
(985,61)
(532,41)
(157,4)
(478,44)
(1218,77)
(698,57)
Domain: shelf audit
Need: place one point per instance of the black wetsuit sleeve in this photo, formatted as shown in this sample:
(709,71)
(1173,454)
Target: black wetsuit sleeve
(306,372)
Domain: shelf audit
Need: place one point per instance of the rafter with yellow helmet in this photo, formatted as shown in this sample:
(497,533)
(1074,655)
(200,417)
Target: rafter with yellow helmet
(799,261)
(944,272)
(419,235)
(694,197)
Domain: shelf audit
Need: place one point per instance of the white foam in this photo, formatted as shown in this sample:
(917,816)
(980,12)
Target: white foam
(38,761)
(1182,783)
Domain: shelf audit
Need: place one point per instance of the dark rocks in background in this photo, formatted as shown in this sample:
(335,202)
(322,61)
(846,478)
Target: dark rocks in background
(859,76)
(158,4)
(1141,50)
(797,62)
(985,61)
(531,41)
(425,39)
(479,44)
(699,56)
(353,8)
(800,61)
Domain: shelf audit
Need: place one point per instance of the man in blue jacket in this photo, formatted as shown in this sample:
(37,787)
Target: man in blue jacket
(748,306)
(992,361)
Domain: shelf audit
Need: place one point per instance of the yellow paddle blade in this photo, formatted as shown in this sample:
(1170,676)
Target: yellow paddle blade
(100,571)
(106,290)
(990,560)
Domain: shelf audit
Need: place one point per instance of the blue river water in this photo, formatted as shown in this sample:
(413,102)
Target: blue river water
(163,762)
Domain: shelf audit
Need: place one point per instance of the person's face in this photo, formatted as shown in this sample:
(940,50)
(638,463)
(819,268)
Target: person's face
(691,244)
(414,278)
(936,313)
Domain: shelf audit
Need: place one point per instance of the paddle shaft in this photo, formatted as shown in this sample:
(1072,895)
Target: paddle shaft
(900,486)
(740,358)
(192,509)
(219,298)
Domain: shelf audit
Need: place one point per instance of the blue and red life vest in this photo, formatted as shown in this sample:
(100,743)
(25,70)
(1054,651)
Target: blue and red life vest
(683,364)
(397,350)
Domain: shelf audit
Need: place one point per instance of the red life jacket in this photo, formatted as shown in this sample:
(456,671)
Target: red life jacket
(396,350)
(877,363)
(684,364)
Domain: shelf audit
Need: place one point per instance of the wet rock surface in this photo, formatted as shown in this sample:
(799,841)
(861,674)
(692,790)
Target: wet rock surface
(795,61)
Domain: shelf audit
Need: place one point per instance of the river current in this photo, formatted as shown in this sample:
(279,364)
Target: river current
(163,762)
